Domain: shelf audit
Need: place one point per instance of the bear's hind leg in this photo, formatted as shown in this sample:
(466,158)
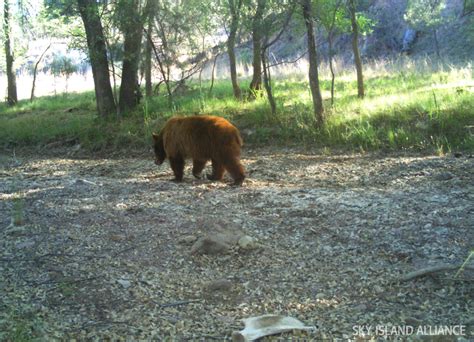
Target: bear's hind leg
(236,170)
(198,166)
(177,165)
(217,171)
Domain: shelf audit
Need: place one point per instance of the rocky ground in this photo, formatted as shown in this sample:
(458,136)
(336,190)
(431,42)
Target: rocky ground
(101,248)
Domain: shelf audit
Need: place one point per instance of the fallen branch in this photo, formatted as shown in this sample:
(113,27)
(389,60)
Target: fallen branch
(178,303)
(433,269)
(53,282)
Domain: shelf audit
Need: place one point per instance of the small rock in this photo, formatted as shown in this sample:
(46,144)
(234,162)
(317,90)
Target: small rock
(117,238)
(444,176)
(125,283)
(361,307)
(320,296)
(225,258)
(457,154)
(25,244)
(327,249)
(219,285)
(414,322)
(187,239)
(210,245)
(378,289)
(180,325)
(247,242)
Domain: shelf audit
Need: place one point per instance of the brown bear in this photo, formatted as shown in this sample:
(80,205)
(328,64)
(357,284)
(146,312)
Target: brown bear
(201,138)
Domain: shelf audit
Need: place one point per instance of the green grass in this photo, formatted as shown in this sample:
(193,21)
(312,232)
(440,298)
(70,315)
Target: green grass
(21,324)
(411,108)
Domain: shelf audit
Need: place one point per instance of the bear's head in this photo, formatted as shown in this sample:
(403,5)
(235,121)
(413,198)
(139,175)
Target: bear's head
(160,154)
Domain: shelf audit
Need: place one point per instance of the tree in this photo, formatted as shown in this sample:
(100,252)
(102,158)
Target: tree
(426,15)
(271,22)
(131,24)
(467,7)
(257,23)
(234,7)
(98,56)
(330,15)
(63,66)
(12,97)
(179,40)
(313,63)
(150,13)
(355,48)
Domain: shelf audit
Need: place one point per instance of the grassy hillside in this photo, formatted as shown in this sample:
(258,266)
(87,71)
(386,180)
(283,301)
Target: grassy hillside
(409,107)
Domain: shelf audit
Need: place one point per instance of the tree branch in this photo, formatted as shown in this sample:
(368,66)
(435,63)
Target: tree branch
(432,269)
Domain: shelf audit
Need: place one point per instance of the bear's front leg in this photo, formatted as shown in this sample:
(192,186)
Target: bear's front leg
(198,166)
(177,165)
(236,170)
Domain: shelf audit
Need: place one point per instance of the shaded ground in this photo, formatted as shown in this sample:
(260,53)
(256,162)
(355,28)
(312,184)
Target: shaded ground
(96,250)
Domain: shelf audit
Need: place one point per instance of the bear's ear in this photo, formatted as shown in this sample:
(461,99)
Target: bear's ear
(155,136)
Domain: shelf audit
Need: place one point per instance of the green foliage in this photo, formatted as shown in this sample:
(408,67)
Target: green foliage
(425,14)
(333,16)
(62,65)
(406,108)
(366,25)
(21,324)
(60,9)
(17,211)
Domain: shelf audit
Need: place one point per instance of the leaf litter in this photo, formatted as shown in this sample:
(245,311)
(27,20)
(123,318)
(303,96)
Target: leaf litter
(101,248)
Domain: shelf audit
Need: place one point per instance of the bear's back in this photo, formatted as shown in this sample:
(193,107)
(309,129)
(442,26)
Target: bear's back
(200,136)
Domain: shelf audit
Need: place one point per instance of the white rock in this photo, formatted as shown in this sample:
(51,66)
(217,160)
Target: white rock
(247,242)
(125,283)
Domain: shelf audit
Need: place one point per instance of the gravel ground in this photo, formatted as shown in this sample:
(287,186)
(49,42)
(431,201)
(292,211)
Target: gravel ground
(100,248)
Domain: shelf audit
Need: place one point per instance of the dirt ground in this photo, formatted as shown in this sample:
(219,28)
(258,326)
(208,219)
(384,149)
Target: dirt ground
(100,248)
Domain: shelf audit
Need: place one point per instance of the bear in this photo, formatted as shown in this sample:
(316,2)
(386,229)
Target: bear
(200,138)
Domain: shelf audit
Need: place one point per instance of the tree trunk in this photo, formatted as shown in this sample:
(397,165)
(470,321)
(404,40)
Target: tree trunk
(331,52)
(234,25)
(256,83)
(98,57)
(213,74)
(313,64)
(148,82)
(148,65)
(355,49)
(162,67)
(114,73)
(435,34)
(331,66)
(132,30)
(35,71)
(268,82)
(12,97)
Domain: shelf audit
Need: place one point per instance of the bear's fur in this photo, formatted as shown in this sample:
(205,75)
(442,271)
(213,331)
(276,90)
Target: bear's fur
(200,138)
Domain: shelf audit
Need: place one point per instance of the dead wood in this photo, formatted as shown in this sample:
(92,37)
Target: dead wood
(430,270)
